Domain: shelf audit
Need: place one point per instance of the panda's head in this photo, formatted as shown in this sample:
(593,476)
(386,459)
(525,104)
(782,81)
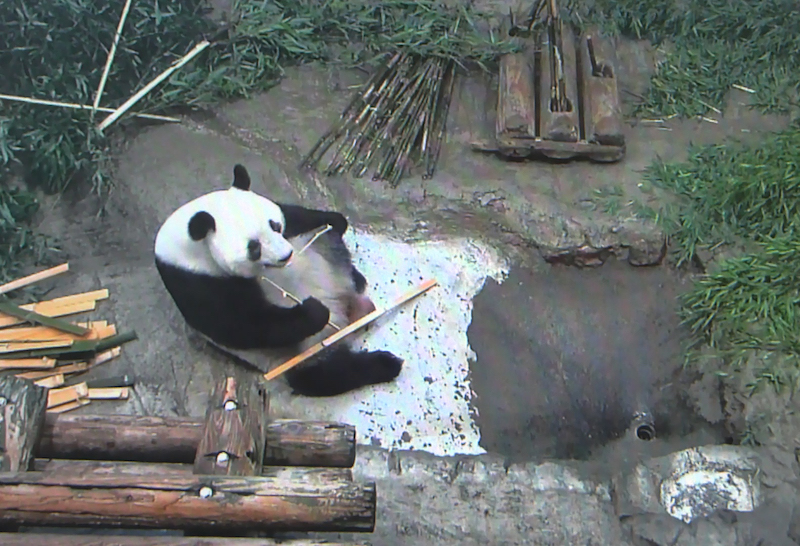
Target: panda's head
(240,231)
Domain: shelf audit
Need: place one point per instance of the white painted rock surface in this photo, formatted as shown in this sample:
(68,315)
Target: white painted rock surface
(427,407)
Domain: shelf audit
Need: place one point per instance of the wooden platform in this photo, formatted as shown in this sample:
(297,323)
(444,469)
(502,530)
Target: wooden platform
(585,122)
(230,475)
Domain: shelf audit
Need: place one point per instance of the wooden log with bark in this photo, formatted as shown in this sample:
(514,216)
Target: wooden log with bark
(235,431)
(291,499)
(175,440)
(56,467)
(47,539)
(22,411)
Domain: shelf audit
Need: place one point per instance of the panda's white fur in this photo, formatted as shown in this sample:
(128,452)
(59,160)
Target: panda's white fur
(213,251)
(239,215)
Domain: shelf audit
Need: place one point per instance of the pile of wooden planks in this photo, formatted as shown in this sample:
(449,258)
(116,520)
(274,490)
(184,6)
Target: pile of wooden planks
(36,343)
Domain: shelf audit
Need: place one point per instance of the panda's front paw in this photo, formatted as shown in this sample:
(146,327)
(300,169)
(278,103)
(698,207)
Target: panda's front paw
(318,315)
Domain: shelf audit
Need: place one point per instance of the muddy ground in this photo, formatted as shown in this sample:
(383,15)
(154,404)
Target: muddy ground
(563,357)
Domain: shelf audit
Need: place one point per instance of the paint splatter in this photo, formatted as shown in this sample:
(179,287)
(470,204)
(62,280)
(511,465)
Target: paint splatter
(427,407)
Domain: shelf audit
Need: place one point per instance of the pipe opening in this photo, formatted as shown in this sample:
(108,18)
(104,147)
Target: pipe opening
(645,432)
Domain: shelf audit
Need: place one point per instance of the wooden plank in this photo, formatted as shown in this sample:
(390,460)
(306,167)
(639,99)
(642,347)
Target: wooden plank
(290,499)
(235,431)
(26,315)
(17,346)
(50,382)
(22,414)
(108,393)
(127,468)
(560,126)
(75,367)
(27,364)
(43,333)
(69,406)
(56,397)
(51,311)
(52,539)
(175,439)
(516,114)
(602,111)
(34,278)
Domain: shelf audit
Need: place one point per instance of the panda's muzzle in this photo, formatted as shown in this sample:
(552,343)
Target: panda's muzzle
(285,260)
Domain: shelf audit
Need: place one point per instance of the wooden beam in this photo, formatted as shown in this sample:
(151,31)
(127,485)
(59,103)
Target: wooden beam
(22,414)
(52,539)
(235,431)
(121,468)
(291,499)
(175,440)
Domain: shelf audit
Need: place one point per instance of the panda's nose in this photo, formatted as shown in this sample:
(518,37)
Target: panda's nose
(288,257)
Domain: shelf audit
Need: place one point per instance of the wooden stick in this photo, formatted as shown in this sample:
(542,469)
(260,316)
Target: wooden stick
(69,406)
(43,333)
(36,277)
(67,301)
(27,364)
(56,397)
(16,347)
(50,382)
(95,539)
(75,367)
(59,307)
(110,57)
(73,106)
(33,317)
(108,393)
(147,88)
(360,323)
(105,356)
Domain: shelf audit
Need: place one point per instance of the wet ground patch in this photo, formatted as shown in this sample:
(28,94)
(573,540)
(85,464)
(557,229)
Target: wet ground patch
(567,358)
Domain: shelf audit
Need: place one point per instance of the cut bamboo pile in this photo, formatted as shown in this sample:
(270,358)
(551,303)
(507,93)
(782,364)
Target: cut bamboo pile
(397,121)
(39,343)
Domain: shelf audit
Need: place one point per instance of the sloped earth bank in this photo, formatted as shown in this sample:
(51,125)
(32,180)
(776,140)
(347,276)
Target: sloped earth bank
(514,410)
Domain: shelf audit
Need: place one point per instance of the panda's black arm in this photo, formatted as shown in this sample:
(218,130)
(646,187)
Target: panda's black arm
(302,220)
(233,311)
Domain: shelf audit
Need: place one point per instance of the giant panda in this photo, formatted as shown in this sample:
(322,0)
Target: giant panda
(212,254)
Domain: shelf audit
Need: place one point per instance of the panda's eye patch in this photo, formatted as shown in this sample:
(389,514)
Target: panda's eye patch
(253,250)
(276,226)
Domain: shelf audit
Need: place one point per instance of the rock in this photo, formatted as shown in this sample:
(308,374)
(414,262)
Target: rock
(647,252)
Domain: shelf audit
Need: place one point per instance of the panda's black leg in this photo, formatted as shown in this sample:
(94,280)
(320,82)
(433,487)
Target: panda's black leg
(340,370)
(360,280)
(302,220)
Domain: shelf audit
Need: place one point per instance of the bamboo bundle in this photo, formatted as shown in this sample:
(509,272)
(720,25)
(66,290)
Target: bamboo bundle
(37,344)
(398,119)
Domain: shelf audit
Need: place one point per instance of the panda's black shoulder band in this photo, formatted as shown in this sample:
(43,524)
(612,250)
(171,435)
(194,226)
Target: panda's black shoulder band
(302,220)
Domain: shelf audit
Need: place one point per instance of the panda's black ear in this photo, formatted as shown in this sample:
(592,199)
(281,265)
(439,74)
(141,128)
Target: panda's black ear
(241,178)
(200,224)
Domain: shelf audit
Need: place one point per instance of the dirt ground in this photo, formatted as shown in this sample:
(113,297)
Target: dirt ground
(564,357)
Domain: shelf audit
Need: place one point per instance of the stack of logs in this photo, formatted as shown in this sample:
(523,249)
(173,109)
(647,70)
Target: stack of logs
(233,475)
